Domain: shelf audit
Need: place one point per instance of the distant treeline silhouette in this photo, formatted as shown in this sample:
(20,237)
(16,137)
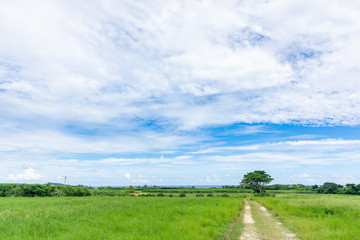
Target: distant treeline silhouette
(50,190)
(39,190)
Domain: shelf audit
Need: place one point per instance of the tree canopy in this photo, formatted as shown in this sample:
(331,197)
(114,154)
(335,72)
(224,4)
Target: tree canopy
(256,180)
(332,188)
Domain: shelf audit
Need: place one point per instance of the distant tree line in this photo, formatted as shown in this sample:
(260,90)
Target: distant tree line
(333,188)
(287,187)
(39,190)
(49,190)
(326,188)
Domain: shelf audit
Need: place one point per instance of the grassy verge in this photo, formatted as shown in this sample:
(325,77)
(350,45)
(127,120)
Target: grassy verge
(317,216)
(116,218)
(234,229)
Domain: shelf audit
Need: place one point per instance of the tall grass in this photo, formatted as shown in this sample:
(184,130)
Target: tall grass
(116,218)
(318,216)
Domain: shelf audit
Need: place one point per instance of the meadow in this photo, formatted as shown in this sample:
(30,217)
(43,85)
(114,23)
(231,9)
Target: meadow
(79,212)
(117,217)
(315,216)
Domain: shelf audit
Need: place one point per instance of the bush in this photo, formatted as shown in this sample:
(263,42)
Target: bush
(182,195)
(199,195)
(330,188)
(147,195)
(210,195)
(160,195)
(101,192)
(58,193)
(264,195)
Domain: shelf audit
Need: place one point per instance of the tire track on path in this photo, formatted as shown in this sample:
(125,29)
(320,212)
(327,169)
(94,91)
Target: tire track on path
(249,231)
(260,224)
(268,227)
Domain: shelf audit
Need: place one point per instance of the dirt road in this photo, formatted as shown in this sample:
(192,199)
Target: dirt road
(260,224)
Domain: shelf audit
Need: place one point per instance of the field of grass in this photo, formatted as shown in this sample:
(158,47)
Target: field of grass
(116,218)
(317,216)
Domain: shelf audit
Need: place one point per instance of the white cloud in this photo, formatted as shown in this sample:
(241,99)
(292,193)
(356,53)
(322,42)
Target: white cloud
(52,141)
(276,61)
(321,145)
(28,175)
(335,142)
(139,77)
(127,175)
(184,159)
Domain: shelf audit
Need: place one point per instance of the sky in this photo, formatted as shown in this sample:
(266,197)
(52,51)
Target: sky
(115,93)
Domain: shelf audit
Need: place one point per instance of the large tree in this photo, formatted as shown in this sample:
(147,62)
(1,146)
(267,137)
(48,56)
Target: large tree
(256,180)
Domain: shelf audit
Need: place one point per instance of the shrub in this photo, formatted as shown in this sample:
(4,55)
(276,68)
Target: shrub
(210,195)
(147,195)
(264,194)
(182,195)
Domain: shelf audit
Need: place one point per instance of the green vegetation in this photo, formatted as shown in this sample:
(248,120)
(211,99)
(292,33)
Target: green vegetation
(58,190)
(333,188)
(39,190)
(324,212)
(116,218)
(190,190)
(233,231)
(317,216)
(256,180)
(266,225)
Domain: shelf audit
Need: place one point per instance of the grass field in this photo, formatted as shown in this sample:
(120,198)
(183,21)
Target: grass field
(116,218)
(317,216)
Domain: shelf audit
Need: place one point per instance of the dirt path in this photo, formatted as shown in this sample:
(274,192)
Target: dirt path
(260,224)
(249,230)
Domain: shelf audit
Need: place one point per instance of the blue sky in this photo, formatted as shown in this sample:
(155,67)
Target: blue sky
(179,92)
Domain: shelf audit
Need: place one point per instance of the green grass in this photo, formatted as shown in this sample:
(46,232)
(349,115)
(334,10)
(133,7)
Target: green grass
(116,218)
(233,231)
(317,216)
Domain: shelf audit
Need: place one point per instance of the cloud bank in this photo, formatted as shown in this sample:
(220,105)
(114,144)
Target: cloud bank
(123,77)
(189,64)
